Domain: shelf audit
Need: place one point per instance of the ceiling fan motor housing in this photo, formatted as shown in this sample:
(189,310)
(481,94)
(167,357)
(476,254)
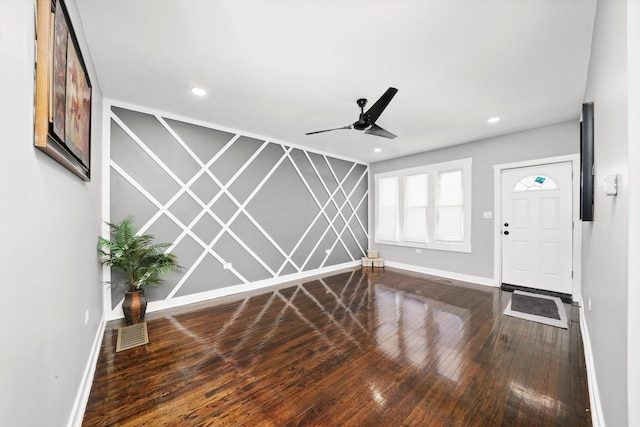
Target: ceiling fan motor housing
(364,121)
(367,121)
(362,124)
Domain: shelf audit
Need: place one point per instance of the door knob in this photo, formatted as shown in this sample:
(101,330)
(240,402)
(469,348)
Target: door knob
(506,232)
(506,224)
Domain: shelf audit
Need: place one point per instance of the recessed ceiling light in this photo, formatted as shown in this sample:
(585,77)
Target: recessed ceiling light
(377,150)
(494,120)
(198,91)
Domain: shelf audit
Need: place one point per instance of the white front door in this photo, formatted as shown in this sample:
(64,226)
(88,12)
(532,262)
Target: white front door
(537,227)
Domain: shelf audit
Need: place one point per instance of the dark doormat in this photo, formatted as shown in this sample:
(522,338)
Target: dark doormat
(537,308)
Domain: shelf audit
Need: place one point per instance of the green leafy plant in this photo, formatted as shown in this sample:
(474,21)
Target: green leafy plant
(141,261)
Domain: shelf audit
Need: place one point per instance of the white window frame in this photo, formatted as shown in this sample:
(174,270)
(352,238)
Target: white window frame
(432,172)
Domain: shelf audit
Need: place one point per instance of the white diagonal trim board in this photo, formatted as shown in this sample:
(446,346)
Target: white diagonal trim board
(335,216)
(185,188)
(159,205)
(242,207)
(345,227)
(330,220)
(159,162)
(318,215)
(338,213)
(165,211)
(206,207)
(346,221)
(348,197)
(344,193)
(331,199)
(200,209)
(229,194)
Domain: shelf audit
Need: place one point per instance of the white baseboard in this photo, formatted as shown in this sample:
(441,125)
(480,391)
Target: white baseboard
(82,396)
(597,419)
(116,313)
(487,281)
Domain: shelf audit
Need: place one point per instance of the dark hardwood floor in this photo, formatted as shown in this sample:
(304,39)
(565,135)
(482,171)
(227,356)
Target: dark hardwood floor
(361,348)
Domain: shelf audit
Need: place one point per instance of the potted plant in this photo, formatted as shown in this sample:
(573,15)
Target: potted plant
(140,260)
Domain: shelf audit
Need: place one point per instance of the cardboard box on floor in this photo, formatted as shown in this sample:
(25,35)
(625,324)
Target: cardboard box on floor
(372,260)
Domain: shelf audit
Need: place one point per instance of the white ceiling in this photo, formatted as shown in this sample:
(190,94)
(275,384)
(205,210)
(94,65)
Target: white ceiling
(280,68)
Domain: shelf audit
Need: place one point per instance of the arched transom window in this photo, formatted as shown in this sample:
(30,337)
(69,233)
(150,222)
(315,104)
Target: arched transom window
(535,183)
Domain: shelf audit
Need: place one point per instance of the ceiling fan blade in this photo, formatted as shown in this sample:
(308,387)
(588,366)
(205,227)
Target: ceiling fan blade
(328,130)
(376,109)
(378,131)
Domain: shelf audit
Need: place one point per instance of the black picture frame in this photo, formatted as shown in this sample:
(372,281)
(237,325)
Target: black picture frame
(63,91)
(586,163)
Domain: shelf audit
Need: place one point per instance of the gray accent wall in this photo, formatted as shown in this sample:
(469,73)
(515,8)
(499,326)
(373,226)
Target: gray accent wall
(268,209)
(549,141)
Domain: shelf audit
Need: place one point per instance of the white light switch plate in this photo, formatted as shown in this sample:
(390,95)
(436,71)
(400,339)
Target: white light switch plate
(611,185)
(487,214)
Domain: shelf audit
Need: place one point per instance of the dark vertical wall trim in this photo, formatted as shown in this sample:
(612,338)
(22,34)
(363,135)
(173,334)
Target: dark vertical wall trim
(586,162)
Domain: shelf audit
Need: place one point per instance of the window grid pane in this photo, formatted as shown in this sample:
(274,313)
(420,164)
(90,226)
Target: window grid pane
(449,210)
(415,225)
(416,201)
(450,188)
(388,208)
(416,190)
(450,224)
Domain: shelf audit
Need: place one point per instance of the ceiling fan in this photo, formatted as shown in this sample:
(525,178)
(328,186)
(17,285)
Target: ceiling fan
(367,121)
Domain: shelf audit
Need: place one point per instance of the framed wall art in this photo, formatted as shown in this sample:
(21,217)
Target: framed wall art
(63,91)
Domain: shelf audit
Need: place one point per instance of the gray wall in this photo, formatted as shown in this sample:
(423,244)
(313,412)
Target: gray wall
(49,223)
(283,210)
(605,240)
(633,79)
(555,140)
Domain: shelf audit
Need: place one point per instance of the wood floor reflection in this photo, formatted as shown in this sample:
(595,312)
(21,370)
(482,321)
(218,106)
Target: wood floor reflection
(361,348)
